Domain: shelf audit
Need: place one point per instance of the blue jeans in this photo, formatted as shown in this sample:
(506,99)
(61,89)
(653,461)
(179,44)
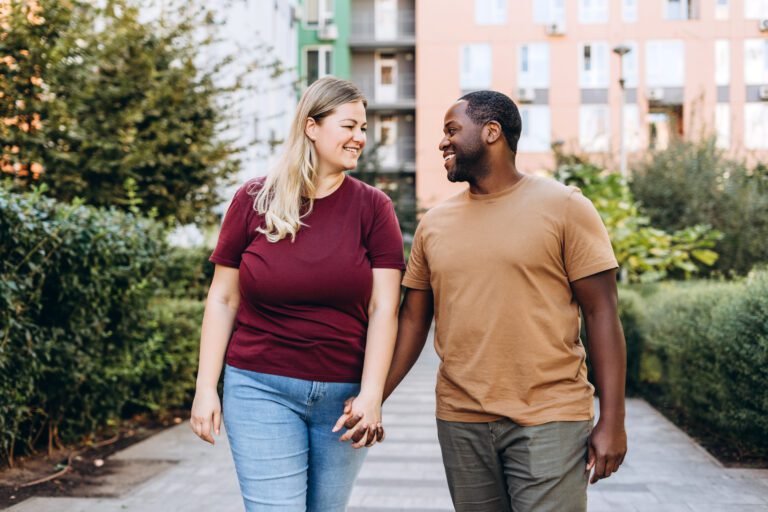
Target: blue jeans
(279,430)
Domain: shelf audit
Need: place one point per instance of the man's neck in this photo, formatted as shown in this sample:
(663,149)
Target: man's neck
(500,177)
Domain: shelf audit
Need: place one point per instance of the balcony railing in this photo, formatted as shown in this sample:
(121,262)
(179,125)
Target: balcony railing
(404,89)
(364,27)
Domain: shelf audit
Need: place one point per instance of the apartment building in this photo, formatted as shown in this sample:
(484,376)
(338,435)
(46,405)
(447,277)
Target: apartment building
(693,67)
(373,44)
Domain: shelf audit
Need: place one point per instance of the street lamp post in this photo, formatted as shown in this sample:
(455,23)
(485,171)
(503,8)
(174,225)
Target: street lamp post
(622,50)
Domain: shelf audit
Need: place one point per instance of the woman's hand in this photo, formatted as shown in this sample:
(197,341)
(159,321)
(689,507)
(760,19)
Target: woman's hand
(362,418)
(206,413)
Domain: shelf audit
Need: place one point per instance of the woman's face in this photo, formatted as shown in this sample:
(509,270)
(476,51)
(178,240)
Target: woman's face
(339,138)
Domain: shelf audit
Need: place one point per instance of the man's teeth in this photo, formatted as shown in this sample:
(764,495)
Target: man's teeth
(449,157)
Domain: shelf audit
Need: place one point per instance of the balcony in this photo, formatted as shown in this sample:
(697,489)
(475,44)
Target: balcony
(400,157)
(369,33)
(399,96)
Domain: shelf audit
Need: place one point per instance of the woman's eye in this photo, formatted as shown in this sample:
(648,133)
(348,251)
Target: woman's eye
(364,129)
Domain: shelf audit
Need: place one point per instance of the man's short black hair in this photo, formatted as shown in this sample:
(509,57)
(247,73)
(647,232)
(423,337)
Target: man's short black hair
(486,106)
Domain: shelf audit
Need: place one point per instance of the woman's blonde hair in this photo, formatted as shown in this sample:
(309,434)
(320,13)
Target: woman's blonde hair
(294,176)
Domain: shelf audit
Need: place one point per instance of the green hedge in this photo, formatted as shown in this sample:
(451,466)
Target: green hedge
(705,358)
(188,273)
(82,336)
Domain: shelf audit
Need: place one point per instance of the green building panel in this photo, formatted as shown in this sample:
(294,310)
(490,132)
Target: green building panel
(318,54)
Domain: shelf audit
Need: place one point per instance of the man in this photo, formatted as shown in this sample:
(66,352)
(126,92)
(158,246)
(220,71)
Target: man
(505,266)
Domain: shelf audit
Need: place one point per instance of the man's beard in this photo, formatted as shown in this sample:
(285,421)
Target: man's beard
(468,165)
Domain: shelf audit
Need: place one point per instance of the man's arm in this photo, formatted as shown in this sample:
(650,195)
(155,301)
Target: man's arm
(598,298)
(413,324)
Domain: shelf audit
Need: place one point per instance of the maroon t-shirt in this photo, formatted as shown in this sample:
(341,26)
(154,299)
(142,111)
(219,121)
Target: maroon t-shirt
(304,304)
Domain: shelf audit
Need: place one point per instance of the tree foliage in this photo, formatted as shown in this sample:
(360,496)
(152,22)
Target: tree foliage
(92,97)
(647,253)
(694,183)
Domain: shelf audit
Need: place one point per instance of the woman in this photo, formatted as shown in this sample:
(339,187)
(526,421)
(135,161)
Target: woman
(304,303)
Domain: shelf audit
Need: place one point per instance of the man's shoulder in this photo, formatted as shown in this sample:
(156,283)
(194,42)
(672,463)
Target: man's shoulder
(549,187)
(445,206)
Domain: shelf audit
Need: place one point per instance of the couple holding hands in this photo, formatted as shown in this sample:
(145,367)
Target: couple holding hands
(304,309)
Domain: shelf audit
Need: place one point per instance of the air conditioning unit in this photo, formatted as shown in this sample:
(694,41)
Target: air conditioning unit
(556,28)
(763,24)
(328,31)
(655,94)
(763,92)
(526,95)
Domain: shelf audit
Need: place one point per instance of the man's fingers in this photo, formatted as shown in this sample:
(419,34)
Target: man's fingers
(358,434)
(363,439)
(371,437)
(352,421)
(599,469)
(348,405)
(379,433)
(590,457)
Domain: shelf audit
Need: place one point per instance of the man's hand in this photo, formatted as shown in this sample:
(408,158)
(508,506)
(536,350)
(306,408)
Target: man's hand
(607,447)
(360,434)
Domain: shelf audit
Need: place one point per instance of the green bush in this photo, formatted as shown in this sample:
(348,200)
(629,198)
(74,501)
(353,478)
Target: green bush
(706,358)
(631,310)
(693,183)
(81,337)
(188,273)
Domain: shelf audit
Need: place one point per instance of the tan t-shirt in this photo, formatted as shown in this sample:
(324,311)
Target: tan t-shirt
(507,323)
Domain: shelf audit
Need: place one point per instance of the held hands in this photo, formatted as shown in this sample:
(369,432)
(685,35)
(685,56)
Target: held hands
(362,419)
(206,414)
(606,447)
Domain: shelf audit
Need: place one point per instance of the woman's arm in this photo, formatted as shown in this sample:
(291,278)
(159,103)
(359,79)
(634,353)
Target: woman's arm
(218,320)
(380,343)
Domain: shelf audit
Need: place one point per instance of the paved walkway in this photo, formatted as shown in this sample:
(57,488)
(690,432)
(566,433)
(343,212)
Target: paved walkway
(663,472)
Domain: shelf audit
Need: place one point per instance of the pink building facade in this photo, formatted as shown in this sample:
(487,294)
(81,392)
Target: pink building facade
(695,67)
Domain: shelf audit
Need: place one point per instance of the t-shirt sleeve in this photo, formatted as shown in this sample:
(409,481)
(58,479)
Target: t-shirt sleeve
(417,273)
(234,236)
(385,241)
(586,246)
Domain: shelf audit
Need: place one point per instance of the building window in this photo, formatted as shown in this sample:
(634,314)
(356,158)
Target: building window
(629,11)
(317,11)
(723,125)
(681,9)
(756,126)
(536,133)
(491,12)
(722,9)
(755,9)
(593,64)
(722,62)
(756,61)
(549,12)
(534,65)
(594,135)
(475,67)
(593,11)
(664,63)
(318,62)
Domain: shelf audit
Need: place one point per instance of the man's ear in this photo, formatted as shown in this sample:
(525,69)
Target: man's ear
(310,129)
(491,132)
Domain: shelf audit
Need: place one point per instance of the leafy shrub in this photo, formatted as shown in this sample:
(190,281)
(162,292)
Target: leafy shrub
(707,358)
(645,252)
(693,183)
(81,338)
(188,273)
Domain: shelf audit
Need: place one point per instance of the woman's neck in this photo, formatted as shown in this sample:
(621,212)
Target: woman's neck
(327,183)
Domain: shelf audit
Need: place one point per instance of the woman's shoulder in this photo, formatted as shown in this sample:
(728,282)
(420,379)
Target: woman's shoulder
(366,192)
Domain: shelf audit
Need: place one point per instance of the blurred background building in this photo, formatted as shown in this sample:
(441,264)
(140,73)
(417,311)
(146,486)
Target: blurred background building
(689,67)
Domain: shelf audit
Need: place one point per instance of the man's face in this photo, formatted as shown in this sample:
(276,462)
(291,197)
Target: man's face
(463,150)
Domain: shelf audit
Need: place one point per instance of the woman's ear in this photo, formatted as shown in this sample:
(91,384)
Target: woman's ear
(310,129)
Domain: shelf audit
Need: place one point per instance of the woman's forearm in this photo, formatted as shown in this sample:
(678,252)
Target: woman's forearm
(218,320)
(380,344)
